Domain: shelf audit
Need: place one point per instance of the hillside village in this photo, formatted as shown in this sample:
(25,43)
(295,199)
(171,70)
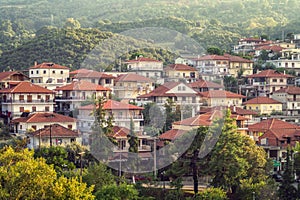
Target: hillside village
(51,105)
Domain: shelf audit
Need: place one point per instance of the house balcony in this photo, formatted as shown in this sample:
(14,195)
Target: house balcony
(38,101)
(64,99)
(293,99)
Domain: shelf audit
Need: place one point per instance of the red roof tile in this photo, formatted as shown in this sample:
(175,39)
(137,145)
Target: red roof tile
(269,74)
(212,57)
(132,78)
(271,124)
(48,66)
(261,100)
(7,75)
(274,48)
(113,105)
(220,94)
(86,73)
(57,131)
(44,117)
(205,84)
(162,91)
(289,90)
(201,120)
(142,59)
(82,86)
(236,110)
(172,134)
(237,59)
(180,67)
(26,87)
(120,132)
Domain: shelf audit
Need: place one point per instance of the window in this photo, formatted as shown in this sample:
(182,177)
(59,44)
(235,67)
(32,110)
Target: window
(61,72)
(73,94)
(179,88)
(53,72)
(183,98)
(21,98)
(70,126)
(47,108)
(33,127)
(21,109)
(107,81)
(29,98)
(39,96)
(281,80)
(44,71)
(37,71)
(293,64)
(183,88)
(147,74)
(31,72)
(93,80)
(21,127)
(274,80)
(33,109)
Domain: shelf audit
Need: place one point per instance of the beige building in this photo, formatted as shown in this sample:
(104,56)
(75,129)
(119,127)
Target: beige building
(147,67)
(72,95)
(49,75)
(25,97)
(220,98)
(6,78)
(239,66)
(52,135)
(266,82)
(264,105)
(130,86)
(181,72)
(37,121)
(290,99)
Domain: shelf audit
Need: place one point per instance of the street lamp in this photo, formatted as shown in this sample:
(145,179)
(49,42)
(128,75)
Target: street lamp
(81,166)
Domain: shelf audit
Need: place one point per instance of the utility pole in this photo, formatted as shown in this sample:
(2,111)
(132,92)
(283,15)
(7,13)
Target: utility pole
(50,135)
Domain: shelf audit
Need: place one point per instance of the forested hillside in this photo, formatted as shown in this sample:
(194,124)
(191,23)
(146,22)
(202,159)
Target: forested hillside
(210,23)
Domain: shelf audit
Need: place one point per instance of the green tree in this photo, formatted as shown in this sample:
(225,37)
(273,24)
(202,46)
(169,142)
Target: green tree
(117,192)
(230,84)
(212,194)
(286,190)
(173,114)
(23,177)
(56,156)
(214,51)
(133,139)
(97,174)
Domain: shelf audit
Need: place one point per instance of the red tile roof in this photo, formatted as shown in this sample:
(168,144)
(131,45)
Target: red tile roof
(212,57)
(273,124)
(274,48)
(86,73)
(237,59)
(44,117)
(57,131)
(201,120)
(289,90)
(82,86)
(180,67)
(162,91)
(120,132)
(236,110)
(142,59)
(48,66)
(220,94)
(205,84)
(172,134)
(261,100)
(270,73)
(113,105)
(7,75)
(132,78)
(26,87)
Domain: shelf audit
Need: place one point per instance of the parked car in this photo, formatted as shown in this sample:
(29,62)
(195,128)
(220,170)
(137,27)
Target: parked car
(277,177)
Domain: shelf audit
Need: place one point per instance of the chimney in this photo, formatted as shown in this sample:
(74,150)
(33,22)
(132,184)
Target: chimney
(234,109)
(284,72)
(135,57)
(35,63)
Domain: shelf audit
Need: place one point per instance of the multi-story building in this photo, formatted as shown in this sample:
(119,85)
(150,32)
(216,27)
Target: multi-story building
(180,93)
(25,97)
(266,82)
(264,105)
(212,67)
(239,67)
(52,135)
(37,121)
(72,95)
(220,98)
(130,86)
(180,72)
(147,67)
(290,98)
(122,114)
(100,78)
(6,78)
(203,86)
(49,75)
(247,45)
